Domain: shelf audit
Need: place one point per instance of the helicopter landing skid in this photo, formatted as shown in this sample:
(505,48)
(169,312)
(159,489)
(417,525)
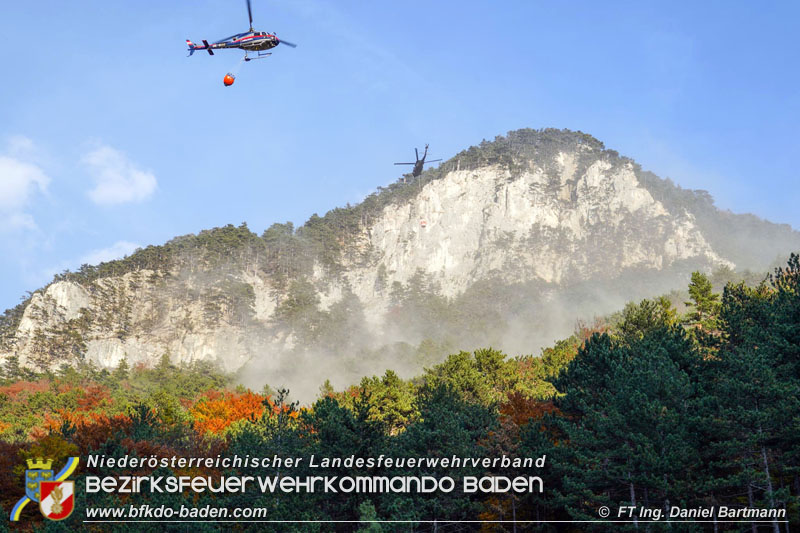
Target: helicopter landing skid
(259,56)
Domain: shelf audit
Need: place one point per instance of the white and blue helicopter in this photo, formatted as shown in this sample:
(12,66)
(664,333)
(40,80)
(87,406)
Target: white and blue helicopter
(249,41)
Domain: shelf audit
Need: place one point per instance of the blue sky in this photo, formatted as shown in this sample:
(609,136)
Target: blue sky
(110,137)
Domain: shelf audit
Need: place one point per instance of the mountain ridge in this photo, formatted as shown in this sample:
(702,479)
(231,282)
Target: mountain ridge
(568,223)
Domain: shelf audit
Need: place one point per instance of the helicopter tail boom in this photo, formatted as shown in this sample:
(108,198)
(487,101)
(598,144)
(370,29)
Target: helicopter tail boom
(193,47)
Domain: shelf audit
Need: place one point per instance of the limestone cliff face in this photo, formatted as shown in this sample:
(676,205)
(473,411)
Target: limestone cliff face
(136,316)
(557,227)
(563,217)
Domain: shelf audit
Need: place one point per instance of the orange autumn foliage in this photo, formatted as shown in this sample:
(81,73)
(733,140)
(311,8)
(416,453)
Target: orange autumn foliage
(516,412)
(215,411)
(85,422)
(93,397)
(521,410)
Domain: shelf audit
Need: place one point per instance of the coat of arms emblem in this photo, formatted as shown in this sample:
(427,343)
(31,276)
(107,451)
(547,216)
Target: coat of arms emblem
(38,470)
(56,495)
(57,501)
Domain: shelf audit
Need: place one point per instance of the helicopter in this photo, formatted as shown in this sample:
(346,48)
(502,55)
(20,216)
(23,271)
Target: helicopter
(249,41)
(419,162)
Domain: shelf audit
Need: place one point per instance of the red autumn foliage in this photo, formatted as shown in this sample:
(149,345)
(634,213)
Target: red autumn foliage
(25,387)
(516,412)
(92,435)
(584,331)
(94,396)
(12,487)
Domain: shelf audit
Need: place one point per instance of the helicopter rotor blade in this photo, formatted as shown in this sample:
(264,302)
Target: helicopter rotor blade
(250,14)
(405,163)
(287,43)
(432,161)
(229,38)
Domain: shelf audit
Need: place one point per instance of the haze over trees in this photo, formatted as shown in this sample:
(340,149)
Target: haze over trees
(651,407)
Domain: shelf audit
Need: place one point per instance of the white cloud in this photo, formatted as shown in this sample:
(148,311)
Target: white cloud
(118,250)
(14,221)
(117,179)
(20,146)
(20,180)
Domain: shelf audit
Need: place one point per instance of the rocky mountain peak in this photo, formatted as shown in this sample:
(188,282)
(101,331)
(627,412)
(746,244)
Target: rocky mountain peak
(506,243)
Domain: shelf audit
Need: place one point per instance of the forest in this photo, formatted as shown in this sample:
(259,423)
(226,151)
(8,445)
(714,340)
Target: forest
(654,407)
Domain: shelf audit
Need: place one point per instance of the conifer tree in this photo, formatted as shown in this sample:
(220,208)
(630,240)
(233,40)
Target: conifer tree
(704,305)
(630,422)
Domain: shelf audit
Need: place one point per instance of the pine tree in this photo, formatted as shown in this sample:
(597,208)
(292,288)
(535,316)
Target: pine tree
(367,514)
(122,370)
(704,304)
(757,388)
(11,368)
(630,422)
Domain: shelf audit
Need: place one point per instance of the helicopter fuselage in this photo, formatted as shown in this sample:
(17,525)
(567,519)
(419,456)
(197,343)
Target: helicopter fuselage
(419,164)
(256,41)
(249,41)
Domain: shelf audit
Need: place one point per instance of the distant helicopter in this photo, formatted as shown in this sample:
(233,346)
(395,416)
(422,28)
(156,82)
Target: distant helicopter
(418,164)
(249,41)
